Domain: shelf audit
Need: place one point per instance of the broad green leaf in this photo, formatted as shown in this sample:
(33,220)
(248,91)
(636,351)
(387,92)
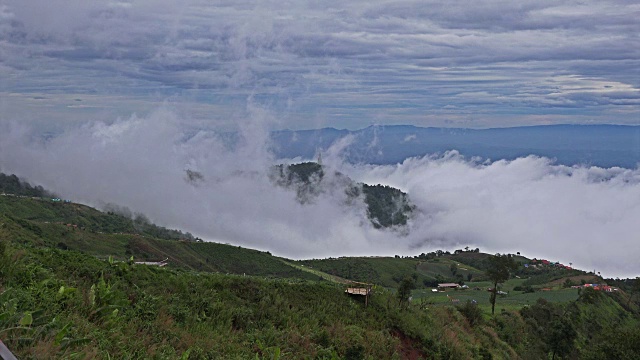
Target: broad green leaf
(27,319)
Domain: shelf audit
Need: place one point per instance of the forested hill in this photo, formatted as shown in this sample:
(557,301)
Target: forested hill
(46,207)
(386,206)
(11,184)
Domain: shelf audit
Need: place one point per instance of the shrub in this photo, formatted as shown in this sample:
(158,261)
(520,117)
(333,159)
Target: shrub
(471,312)
(525,289)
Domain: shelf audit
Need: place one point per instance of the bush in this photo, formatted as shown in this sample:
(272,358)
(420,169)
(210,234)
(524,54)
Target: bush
(471,312)
(525,289)
(4,261)
(590,295)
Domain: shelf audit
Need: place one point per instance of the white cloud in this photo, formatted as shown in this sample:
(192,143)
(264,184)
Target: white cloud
(587,216)
(409,138)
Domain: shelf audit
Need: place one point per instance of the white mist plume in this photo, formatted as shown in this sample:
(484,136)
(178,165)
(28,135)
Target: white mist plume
(587,216)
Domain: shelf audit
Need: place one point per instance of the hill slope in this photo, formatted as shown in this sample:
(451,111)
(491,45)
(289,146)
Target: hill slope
(65,304)
(70,226)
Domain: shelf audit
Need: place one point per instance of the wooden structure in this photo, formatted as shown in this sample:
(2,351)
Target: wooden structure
(154,263)
(448,286)
(362,289)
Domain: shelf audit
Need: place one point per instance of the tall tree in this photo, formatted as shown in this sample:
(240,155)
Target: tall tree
(498,270)
(404,290)
(561,338)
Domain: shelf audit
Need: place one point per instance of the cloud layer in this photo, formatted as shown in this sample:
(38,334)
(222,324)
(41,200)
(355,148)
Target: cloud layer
(587,216)
(428,63)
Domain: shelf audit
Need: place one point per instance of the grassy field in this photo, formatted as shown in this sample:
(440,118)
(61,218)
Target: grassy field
(44,210)
(43,228)
(442,267)
(318,273)
(514,300)
(389,271)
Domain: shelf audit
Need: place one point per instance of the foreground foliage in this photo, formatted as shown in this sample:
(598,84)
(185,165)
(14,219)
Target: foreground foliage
(63,304)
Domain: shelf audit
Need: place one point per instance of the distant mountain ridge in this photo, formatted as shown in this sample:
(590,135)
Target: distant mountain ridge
(590,145)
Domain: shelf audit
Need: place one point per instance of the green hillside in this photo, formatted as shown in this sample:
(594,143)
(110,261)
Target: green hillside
(389,271)
(71,292)
(44,223)
(48,210)
(64,304)
(12,184)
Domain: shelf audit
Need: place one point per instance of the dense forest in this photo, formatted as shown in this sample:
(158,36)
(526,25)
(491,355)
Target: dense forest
(11,184)
(386,206)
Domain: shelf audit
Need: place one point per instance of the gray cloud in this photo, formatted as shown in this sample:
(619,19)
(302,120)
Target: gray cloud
(332,62)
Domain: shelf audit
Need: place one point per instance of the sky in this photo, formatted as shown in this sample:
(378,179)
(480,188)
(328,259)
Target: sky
(132,94)
(331,64)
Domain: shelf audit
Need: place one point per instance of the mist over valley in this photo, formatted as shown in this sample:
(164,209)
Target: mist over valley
(226,192)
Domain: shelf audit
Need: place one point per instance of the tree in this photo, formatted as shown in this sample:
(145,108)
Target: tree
(404,290)
(561,338)
(498,270)
(635,289)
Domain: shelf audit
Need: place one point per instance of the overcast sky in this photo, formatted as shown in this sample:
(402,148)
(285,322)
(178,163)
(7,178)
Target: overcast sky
(315,64)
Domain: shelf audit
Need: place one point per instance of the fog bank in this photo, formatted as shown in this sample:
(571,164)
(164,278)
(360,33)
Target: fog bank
(587,216)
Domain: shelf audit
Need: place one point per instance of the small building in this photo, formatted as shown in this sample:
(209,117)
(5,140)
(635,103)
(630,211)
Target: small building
(601,287)
(445,286)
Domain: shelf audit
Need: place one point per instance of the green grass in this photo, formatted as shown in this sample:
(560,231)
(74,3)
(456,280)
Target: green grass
(442,267)
(37,223)
(389,271)
(44,210)
(514,300)
(318,273)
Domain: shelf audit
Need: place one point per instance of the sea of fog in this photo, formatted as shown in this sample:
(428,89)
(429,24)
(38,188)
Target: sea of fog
(574,213)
